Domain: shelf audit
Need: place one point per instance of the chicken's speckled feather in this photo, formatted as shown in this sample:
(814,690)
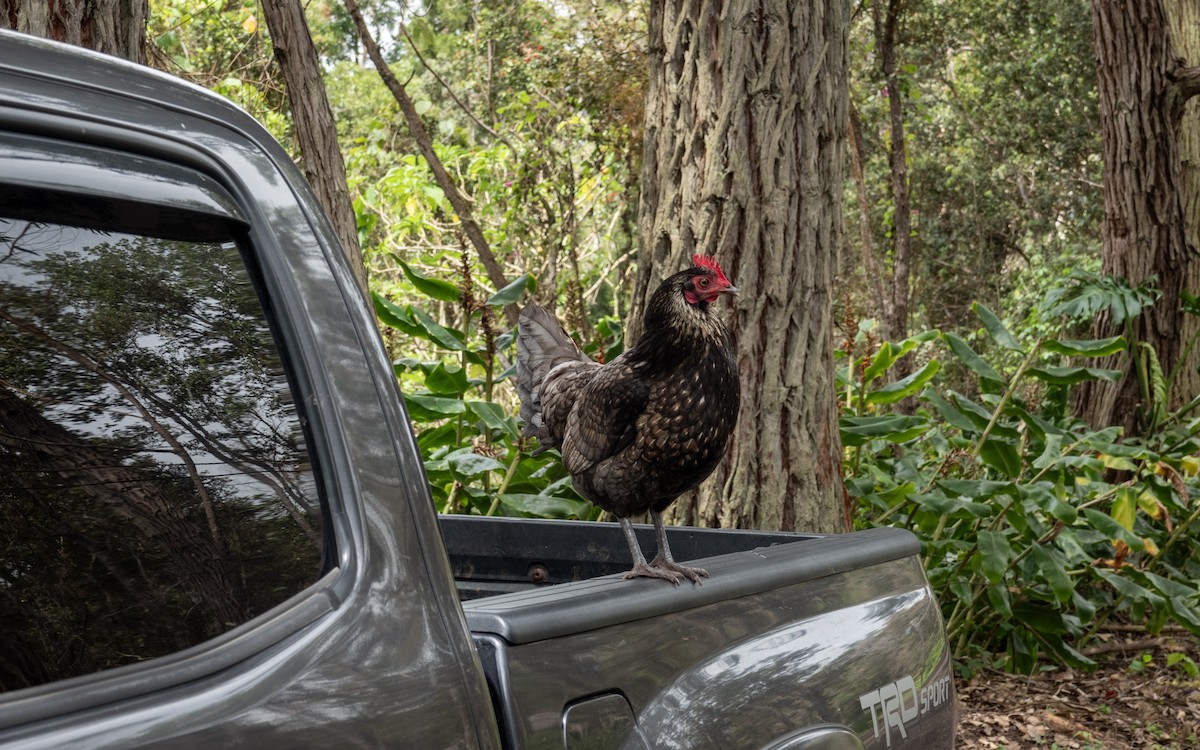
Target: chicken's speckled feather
(652,424)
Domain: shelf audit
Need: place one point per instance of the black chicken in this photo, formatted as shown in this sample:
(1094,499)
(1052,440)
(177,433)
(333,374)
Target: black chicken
(652,424)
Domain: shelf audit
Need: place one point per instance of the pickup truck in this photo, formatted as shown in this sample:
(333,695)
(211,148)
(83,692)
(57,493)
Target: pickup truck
(216,526)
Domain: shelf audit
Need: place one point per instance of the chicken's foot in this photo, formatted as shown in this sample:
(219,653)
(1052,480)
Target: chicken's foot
(642,569)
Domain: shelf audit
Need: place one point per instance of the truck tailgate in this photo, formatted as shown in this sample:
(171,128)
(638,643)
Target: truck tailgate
(828,630)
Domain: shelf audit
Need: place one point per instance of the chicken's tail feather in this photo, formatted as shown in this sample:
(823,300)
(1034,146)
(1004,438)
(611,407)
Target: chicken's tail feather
(542,345)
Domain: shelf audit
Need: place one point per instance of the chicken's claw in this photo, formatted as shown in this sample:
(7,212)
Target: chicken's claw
(642,570)
(692,574)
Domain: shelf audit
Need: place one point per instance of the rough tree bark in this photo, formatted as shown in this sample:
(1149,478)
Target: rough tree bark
(745,124)
(115,27)
(895,310)
(1183,24)
(316,131)
(1144,87)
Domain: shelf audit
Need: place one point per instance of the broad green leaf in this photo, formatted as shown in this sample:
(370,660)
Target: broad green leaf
(977,488)
(443,380)
(946,505)
(429,286)
(1045,496)
(1169,587)
(948,412)
(905,387)
(971,359)
(995,552)
(1084,608)
(893,428)
(1130,589)
(425,408)
(1000,599)
(1124,507)
(1002,456)
(394,316)
(1022,651)
(995,328)
(890,353)
(470,464)
(490,414)
(1053,567)
(436,333)
(1106,525)
(1040,618)
(1072,375)
(1186,613)
(545,507)
(1085,348)
(511,292)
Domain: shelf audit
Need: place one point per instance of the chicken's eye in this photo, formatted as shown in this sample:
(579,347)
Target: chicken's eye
(703,282)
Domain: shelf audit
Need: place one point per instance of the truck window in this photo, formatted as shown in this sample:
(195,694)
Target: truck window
(155,488)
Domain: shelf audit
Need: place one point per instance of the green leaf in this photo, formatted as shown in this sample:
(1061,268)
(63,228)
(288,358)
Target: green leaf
(444,380)
(542,506)
(1187,615)
(430,287)
(946,505)
(1106,525)
(1002,456)
(1086,348)
(1053,567)
(948,412)
(968,357)
(424,408)
(1040,618)
(1072,375)
(995,328)
(1124,508)
(436,333)
(995,552)
(394,316)
(1000,599)
(977,488)
(512,292)
(468,464)
(492,415)
(1173,589)
(1129,589)
(893,428)
(905,387)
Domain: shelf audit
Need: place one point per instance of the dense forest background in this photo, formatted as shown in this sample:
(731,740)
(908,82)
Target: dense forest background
(1013,332)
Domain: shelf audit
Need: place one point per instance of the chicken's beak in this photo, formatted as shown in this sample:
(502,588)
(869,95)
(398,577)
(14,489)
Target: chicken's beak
(731,289)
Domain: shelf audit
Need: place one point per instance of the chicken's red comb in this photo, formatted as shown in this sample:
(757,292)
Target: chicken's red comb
(703,261)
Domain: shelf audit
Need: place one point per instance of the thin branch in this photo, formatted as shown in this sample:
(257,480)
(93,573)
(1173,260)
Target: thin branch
(457,201)
(466,110)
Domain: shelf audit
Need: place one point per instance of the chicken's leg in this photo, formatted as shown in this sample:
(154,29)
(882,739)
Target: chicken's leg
(641,569)
(663,560)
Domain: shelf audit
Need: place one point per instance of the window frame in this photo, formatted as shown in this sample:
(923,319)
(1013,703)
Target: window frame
(341,563)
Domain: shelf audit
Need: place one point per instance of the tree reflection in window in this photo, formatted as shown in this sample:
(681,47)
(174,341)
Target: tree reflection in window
(154,485)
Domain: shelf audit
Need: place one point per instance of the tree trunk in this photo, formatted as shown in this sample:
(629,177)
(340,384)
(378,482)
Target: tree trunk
(887,21)
(1183,24)
(315,128)
(1143,89)
(745,124)
(115,27)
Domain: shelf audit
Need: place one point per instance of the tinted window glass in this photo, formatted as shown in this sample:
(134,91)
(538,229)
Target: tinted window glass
(155,489)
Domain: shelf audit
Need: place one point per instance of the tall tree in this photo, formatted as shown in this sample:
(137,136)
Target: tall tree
(745,125)
(1144,87)
(316,132)
(117,27)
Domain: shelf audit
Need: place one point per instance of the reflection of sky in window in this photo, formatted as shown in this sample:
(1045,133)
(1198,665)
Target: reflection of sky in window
(165,349)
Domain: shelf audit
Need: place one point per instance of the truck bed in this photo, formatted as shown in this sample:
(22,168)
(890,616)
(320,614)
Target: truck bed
(842,627)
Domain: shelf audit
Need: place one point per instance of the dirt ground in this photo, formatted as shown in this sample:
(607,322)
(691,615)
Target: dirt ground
(1135,700)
